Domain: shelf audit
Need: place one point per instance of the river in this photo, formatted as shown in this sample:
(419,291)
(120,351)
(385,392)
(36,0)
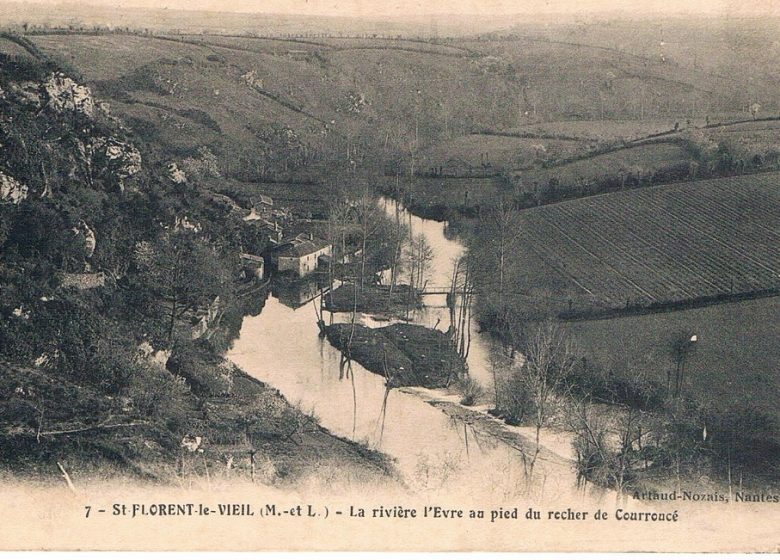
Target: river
(434,453)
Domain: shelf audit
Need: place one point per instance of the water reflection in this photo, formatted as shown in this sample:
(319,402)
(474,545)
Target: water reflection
(282,347)
(297,292)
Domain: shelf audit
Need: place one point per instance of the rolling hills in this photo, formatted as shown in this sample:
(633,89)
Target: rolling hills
(238,95)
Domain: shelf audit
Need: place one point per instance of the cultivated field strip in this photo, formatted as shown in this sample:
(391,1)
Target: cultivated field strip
(639,256)
(747,233)
(737,239)
(666,244)
(682,250)
(602,281)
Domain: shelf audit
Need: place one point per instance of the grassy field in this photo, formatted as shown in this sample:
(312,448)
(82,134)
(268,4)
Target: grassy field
(440,197)
(734,362)
(705,48)
(409,89)
(464,153)
(294,48)
(11,48)
(609,156)
(645,159)
(762,138)
(661,244)
(276,109)
(596,83)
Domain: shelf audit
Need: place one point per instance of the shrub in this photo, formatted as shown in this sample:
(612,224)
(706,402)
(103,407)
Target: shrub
(471,391)
(515,404)
(159,395)
(743,438)
(585,379)
(201,369)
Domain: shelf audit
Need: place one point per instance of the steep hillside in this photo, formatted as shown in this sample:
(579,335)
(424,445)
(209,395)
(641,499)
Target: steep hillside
(119,280)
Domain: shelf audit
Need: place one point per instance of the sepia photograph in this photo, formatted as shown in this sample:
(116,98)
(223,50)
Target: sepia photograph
(351,275)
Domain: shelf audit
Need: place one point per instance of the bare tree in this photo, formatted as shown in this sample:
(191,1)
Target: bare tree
(507,228)
(500,228)
(612,443)
(549,360)
(337,227)
(463,329)
(420,259)
(368,216)
(681,347)
(401,233)
(590,440)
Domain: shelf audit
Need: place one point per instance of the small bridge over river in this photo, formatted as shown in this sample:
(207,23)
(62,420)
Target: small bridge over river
(443,291)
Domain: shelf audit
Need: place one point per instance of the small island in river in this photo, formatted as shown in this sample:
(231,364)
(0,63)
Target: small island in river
(407,355)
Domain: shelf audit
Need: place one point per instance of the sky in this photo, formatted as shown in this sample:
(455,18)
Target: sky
(367,8)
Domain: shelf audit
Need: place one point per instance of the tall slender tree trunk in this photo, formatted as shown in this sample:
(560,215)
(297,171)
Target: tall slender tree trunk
(172,323)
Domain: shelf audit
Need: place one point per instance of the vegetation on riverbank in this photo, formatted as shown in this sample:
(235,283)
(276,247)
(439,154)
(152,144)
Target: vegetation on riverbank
(372,299)
(246,431)
(631,430)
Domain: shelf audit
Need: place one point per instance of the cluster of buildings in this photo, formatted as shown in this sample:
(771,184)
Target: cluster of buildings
(300,255)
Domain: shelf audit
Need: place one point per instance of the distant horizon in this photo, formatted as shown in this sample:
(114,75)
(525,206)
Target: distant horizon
(411,9)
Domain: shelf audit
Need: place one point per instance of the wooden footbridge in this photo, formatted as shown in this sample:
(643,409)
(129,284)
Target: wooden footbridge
(443,291)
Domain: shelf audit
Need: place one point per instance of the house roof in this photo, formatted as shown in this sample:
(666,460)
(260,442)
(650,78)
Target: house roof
(265,199)
(253,258)
(301,246)
(255,218)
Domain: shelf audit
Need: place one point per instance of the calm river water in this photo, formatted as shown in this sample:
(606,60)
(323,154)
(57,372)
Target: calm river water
(282,347)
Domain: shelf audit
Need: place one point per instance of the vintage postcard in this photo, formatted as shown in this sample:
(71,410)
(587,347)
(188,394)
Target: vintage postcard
(466,275)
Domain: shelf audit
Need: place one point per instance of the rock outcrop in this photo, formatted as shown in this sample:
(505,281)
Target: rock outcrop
(121,159)
(175,174)
(65,95)
(90,240)
(11,190)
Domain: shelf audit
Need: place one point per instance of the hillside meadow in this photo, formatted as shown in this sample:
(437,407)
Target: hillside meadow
(733,363)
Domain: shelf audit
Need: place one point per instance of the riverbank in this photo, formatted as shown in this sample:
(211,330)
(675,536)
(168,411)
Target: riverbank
(554,447)
(250,433)
(256,424)
(407,355)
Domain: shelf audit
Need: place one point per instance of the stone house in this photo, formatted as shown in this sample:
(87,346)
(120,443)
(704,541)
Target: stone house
(301,254)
